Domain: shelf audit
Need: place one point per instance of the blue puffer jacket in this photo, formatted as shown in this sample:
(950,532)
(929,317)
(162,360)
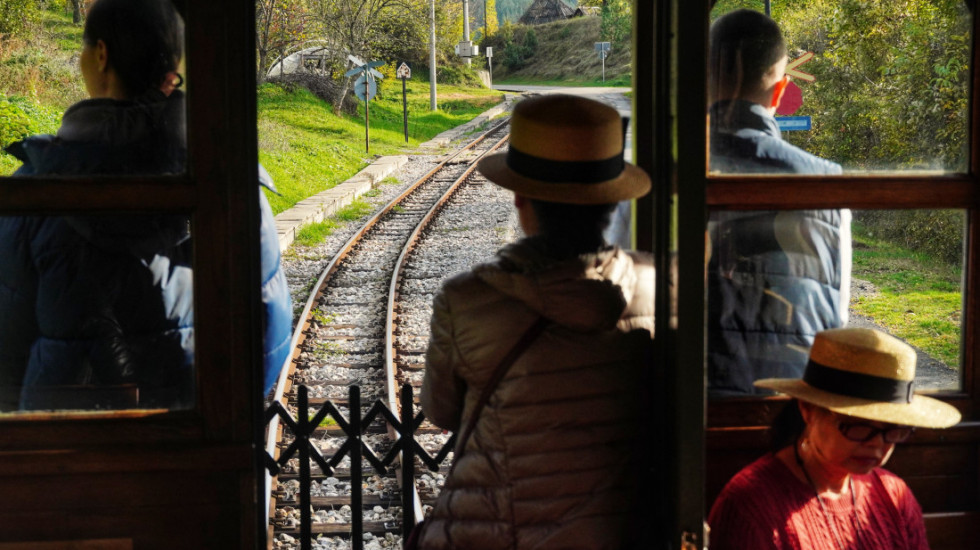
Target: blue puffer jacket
(776,278)
(108,300)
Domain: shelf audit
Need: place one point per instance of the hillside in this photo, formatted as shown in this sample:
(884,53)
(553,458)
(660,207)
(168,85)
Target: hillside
(563,51)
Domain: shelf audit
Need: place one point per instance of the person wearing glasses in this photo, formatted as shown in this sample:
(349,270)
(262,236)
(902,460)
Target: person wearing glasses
(823,486)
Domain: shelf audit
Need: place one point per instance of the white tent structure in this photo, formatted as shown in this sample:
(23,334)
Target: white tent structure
(308,59)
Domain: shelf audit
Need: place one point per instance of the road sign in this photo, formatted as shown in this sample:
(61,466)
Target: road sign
(791,101)
(791,67)
(489,51)
(404,71)
(365,88)
(790,123)
(602,46)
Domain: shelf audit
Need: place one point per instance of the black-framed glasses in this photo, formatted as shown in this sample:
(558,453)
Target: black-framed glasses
(861,432)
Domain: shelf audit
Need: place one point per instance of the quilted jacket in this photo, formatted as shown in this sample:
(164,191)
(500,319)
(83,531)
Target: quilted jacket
(552,460)
(776,278)
(107,300)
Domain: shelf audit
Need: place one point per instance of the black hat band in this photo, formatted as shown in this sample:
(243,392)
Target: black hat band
(856,384)
(565,171)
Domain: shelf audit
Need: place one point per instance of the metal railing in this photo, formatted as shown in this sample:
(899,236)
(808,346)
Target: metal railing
(404,451)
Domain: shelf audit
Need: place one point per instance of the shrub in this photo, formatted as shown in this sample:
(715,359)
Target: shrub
(459,75)
(14,123)
(938,233)
(17,17)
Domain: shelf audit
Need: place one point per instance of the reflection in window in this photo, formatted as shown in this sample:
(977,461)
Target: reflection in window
(889,88)
(97,312)
(773,286)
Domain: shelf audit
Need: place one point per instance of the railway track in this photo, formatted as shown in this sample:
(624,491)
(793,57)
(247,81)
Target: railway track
(365,324)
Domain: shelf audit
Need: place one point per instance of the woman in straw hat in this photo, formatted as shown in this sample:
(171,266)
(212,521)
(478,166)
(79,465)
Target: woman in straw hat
(823,486)
(545,454)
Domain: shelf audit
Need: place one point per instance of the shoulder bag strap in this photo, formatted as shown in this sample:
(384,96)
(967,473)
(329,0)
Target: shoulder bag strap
(529,336)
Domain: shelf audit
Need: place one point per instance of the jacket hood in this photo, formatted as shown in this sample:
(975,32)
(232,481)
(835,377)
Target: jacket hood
(588,292)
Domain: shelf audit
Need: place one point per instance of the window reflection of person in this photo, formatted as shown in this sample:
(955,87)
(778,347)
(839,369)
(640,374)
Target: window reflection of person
(775,278)
(105,301)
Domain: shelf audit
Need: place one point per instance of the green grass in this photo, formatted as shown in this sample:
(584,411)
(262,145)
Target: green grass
(920,299)
(621,81)
(307,149)
(315,233)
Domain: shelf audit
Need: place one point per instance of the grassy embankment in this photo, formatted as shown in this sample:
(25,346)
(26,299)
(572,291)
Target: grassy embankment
(563,56)
(307,149)
(919,300)
(39,75)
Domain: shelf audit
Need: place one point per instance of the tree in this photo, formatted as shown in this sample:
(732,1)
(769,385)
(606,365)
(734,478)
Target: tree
(279,25)
(357,27)
(617,21)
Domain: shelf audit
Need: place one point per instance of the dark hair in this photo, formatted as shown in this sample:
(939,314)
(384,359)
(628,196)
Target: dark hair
(744,45)
(787,427)
(144,40)
(572,229)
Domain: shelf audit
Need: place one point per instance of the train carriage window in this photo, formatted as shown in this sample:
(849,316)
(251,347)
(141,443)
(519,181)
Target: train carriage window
(871,92)
(96,307)
(870,87)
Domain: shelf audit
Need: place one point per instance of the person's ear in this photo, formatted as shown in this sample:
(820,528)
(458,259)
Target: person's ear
(807,410)
(778,90)
(101,56)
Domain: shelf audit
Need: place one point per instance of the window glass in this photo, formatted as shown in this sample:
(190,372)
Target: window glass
(872,86)
(776,278)
(103,77)
(95,310)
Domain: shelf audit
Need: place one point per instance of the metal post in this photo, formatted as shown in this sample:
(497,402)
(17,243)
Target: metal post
(405,109)
(768,4)
(356,497)
(408,460)
(486,22)
(432,55)
(305,509)
(466,26)
(367,118)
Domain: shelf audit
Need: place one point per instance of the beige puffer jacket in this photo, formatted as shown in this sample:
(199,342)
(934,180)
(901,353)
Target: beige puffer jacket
(551,462)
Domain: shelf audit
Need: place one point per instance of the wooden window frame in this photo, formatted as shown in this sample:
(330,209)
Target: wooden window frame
(220,192)
(675,153)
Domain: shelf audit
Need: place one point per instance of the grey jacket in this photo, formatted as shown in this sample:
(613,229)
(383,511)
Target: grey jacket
(776,278)
(552,460)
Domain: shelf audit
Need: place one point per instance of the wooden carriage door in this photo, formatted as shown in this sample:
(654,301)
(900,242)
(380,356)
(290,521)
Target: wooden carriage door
(706,440)
(171,479)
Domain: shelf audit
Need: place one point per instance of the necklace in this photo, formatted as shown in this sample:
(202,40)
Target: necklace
(823,508)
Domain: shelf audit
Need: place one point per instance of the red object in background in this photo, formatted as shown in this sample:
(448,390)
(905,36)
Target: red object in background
(792,100)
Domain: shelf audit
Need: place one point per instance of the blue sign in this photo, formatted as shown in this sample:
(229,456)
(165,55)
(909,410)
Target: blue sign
(789,123)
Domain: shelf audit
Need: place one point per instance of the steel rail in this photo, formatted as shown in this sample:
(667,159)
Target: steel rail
(284,382)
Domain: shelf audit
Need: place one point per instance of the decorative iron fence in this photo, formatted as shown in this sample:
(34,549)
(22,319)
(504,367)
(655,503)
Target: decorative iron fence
(404,451)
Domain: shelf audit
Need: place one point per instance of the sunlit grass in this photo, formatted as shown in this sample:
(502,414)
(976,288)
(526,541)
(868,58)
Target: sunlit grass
(919,300)
(307,149)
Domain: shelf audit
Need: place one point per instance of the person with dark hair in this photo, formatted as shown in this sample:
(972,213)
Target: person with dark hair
(548,417)
(106,301)
(823,486)
(775,278)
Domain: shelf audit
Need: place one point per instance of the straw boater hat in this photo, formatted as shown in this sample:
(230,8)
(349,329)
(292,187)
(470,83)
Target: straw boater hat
(566,149)
(868,374)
